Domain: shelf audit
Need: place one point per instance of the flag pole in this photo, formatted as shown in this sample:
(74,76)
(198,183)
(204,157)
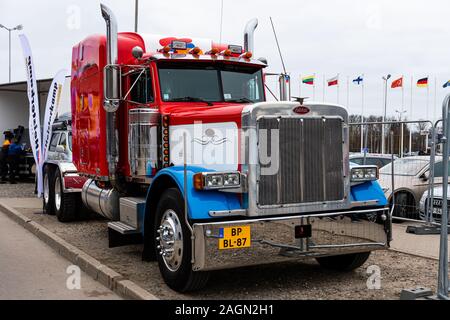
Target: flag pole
(362,116)
(435,99)
(300,87)
(428,100)
(314,87)
(402,135)
(348,92)
(411,115)
(324,88)
(337,88)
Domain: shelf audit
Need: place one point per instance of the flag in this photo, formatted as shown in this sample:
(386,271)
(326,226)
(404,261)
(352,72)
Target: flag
(422,83)
(34,122)
(358,80)
(397,83)
(309,80)
(333,81)
(51,110)
(447,84)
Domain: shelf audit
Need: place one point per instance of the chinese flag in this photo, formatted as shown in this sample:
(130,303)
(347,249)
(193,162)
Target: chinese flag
(397,83)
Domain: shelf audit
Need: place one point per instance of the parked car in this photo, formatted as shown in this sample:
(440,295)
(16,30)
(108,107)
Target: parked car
(62,183)
(437,204)
(371,159)
(411,181)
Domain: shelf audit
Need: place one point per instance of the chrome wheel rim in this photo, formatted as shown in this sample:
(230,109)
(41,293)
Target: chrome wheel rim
(170,240)
(57,193)
(46,189)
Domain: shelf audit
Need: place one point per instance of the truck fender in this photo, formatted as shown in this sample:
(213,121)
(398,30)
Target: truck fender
(200,203)
(368,191)
(72,181)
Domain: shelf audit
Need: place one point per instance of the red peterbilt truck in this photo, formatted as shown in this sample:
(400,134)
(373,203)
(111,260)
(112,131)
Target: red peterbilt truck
(183,153)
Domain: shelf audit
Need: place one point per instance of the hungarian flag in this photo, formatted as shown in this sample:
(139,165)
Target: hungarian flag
(309,80)
(333,81)
(397,83)
(422,83)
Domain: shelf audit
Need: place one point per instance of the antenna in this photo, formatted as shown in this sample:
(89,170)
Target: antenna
(278,45)
(221,22)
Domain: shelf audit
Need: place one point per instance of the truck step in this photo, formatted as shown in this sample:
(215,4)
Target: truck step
(121,234)
(122,228)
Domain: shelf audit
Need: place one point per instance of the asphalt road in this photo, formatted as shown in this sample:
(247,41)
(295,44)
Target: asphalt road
(30,270)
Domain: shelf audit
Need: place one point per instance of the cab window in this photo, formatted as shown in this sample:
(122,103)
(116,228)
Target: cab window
(54,142)
(63,141)
(142,92)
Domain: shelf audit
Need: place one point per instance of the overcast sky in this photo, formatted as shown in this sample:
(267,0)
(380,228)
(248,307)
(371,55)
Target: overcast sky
(349,37)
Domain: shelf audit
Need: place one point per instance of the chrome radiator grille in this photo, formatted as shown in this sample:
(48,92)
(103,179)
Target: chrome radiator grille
(310,165)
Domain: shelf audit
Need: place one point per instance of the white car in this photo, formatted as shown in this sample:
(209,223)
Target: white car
(437,204)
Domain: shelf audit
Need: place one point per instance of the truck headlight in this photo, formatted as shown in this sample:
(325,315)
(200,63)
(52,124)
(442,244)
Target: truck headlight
(365,173)
(217,180)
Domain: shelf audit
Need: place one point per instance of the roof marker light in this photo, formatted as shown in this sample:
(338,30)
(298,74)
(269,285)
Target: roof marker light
(247,55)
(213,51)
(195,51)
(226,53)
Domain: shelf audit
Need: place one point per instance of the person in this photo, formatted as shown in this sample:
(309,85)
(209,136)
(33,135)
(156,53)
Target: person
(4,156)
(14,153)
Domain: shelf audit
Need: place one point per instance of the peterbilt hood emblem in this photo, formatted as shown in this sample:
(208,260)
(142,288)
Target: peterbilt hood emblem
(210,137)
(302,110)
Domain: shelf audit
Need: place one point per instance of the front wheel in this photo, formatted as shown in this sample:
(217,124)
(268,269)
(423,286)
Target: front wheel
(173,245)
(344,263)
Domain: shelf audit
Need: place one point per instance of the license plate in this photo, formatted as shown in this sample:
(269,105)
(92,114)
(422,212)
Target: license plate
(235,238)
(437,211)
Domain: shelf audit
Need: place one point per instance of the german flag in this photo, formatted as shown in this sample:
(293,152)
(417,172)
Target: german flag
(422,83)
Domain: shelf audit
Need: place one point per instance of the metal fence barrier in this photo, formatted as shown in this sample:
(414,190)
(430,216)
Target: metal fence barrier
(410,163)
(413,158)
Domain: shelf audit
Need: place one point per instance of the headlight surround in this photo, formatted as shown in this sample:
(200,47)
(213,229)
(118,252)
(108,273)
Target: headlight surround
(365,174)
(217,180)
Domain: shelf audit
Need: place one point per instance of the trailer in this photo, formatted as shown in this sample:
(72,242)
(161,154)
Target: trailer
(182,152)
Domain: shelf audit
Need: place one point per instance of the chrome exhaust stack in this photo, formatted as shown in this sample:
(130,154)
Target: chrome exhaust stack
(112,90)
(249,35)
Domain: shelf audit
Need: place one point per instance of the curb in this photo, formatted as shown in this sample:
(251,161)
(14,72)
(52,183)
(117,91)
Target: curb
(94,268)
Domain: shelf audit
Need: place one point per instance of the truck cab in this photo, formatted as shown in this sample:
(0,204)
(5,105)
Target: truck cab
(183,153)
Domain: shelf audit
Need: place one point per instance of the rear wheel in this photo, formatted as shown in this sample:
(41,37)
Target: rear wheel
(173,245)
(405,206)
(345,263)
(65,203)
(49,191)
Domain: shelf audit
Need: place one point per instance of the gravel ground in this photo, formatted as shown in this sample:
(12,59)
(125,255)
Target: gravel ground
(21,190)
(286,281)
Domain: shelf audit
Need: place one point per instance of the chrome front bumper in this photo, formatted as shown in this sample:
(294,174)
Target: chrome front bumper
(273,240)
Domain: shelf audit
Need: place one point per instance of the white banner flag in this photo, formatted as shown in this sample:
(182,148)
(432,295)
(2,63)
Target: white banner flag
(51,110)
(34,120)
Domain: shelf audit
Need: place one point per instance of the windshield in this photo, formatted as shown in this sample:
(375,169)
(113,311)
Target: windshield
(208,83)
(405,167)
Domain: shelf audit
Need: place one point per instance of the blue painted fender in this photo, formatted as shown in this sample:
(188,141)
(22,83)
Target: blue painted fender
(200,203)
(367,192)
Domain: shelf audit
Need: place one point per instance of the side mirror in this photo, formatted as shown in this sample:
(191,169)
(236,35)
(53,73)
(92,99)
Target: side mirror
(60,149)
(112,88)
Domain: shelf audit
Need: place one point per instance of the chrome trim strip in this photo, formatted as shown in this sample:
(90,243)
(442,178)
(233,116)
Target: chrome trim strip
(229,213)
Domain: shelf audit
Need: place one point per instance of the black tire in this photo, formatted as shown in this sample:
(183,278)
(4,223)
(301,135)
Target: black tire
(183,279)
(405,206)
(49,192)
(344,263)
(66,205)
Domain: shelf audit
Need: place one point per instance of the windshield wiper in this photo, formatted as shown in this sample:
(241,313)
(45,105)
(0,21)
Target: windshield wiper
(192,99)
(240,100)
